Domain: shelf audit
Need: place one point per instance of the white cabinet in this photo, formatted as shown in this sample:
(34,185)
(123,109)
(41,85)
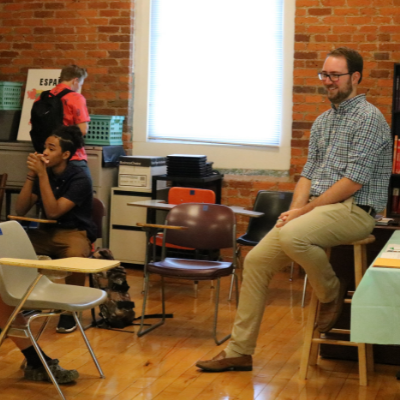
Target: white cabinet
(128,241)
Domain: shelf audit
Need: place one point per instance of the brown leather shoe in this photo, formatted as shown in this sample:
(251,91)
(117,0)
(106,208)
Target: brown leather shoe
(330,312)
(221,363)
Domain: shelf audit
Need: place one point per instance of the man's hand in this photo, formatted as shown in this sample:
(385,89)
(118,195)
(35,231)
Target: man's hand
(37,164)
(287,216)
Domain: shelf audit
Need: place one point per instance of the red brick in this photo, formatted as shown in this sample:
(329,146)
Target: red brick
(335,20)
(43,14)
(307,3)
(305,55)
(333,3)
(318,29)
(54,6)
(319,11)
(346,11)
(109,13)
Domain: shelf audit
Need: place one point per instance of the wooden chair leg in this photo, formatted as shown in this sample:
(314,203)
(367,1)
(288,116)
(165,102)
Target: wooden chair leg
(358,263)
(362,364)
(308,346)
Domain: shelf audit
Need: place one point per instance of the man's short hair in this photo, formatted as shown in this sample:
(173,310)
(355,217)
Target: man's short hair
(71,72)
(353,58)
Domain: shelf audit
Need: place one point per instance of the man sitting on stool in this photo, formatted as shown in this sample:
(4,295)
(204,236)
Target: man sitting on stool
(65,194)
(344,182)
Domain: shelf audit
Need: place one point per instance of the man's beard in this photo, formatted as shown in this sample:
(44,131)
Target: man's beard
(340,95)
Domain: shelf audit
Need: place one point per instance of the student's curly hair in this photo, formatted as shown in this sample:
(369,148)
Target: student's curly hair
(70,137)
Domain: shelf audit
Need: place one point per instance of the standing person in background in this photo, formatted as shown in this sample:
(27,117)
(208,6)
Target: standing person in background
(75,110)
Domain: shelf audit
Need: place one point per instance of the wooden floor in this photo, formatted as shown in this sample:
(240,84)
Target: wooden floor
(160,365)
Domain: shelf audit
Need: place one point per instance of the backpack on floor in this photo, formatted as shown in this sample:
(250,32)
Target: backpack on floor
(46,115)
(117,311)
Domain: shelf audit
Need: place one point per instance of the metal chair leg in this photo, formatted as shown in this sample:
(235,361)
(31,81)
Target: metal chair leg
(218,342)
(304,291)
(291,271)
(78,322)
(41,330)
(42,359)
(142,332)
(231,286)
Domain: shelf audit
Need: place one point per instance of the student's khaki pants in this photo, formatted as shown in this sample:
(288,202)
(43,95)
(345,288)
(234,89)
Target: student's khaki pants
(304,241)
(60,243)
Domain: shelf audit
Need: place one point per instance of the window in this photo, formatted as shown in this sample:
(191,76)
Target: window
(213,72)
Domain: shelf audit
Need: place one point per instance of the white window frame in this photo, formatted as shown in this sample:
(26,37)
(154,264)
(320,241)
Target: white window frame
(223,156)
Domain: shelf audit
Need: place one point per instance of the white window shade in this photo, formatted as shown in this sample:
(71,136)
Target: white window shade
(216,71)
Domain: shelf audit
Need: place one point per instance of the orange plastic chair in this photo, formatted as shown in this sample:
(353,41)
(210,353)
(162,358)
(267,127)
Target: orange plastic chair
(181,195)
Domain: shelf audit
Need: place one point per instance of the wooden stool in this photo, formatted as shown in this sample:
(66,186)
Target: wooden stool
(313,338)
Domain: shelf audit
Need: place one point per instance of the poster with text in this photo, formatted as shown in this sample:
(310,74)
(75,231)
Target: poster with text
(38,81)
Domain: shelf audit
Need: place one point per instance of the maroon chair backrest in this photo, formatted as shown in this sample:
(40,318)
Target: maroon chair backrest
(98,212)
(211,226)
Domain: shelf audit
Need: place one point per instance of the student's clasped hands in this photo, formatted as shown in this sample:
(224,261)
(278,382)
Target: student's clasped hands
(37,163)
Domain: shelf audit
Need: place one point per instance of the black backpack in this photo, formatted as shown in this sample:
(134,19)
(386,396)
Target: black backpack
(46,115)
(117,311)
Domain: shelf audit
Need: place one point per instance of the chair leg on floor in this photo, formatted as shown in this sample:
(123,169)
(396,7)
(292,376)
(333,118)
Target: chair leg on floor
(142,331)
(231,286)
(218,342)
(308,345)
(42,359)
(41,330)
(303,299)
(88,344)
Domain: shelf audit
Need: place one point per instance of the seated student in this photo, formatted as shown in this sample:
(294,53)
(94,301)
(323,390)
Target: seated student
(34,369)
(64,193)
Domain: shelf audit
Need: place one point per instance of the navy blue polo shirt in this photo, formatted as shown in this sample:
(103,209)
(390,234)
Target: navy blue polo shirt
(74,185)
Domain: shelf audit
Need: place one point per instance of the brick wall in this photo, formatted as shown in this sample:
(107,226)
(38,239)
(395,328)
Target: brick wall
(96,35)
(370,26)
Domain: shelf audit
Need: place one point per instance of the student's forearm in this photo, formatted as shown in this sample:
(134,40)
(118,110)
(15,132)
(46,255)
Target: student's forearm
(50,203)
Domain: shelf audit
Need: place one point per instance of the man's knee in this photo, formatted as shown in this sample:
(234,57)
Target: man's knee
(288,240)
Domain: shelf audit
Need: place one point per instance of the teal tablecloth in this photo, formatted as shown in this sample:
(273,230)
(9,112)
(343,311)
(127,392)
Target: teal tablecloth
(375,308)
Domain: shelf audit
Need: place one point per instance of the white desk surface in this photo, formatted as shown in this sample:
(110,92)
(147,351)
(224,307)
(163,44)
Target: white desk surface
(72,264)
(161,205)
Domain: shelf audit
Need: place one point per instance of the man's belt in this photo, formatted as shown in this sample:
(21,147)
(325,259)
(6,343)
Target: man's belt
(368,209)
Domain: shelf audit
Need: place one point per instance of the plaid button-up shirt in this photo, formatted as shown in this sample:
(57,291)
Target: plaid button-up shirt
(351,141)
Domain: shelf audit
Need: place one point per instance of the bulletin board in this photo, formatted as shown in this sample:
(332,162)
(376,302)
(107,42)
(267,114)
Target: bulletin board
(37,81)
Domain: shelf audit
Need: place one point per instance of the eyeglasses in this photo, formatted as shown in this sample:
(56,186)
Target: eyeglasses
(332,77)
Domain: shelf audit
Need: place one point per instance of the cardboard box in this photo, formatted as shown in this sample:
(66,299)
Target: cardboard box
(137,171)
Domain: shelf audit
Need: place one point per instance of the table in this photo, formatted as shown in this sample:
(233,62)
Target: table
(72,264)
(161,205)
(375,309)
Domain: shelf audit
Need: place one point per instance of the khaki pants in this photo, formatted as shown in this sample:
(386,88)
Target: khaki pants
(60,243)
(304,241)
